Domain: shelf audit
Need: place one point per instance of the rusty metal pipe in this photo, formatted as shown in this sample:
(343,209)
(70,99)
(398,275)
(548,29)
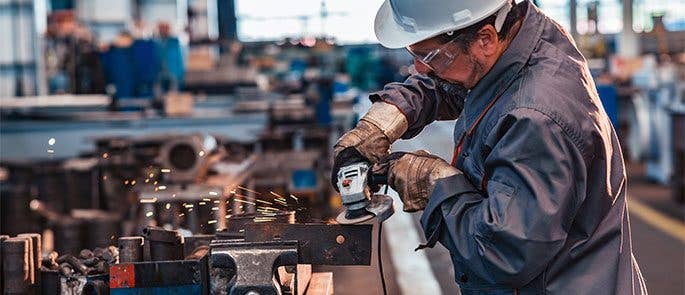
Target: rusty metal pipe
(16,270)
(164,244)
(131,249)
(36,261)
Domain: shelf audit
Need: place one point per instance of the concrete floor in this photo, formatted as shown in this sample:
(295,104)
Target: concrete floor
(661,255)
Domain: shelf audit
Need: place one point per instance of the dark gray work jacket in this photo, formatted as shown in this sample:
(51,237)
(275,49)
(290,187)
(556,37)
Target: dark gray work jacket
(541,206)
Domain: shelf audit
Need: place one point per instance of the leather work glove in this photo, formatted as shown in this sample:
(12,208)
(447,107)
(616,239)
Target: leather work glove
(413,176)
(370,141)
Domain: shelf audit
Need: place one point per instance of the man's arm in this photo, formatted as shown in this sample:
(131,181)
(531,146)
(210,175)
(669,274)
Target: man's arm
(535,183)
(423,100)
(401,110)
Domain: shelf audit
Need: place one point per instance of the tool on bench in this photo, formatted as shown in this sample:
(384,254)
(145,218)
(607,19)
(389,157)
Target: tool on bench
(355,182)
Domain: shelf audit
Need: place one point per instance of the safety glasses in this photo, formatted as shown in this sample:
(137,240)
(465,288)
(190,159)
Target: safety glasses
(437,60)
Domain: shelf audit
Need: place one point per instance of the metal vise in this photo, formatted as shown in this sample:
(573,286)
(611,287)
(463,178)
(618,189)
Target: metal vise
(249,265)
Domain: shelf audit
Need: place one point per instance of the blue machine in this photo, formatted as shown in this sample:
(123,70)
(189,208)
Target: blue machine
(609,98)
(160,277)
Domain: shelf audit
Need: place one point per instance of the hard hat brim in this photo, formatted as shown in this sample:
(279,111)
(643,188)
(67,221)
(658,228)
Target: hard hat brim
(392,35)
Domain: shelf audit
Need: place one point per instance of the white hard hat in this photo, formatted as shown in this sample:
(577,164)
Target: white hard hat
(400,23)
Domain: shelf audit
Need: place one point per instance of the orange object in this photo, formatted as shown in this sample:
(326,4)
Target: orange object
(122,276)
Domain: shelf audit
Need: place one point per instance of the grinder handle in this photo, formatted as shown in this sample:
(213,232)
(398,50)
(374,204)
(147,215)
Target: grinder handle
(377,179)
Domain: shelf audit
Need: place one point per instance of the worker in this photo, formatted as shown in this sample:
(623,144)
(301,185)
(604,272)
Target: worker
(170,58)
(534,199)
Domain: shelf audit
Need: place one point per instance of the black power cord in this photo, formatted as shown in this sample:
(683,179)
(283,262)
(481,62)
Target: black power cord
(380,259)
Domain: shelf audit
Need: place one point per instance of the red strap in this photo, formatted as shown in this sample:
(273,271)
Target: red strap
(457,150)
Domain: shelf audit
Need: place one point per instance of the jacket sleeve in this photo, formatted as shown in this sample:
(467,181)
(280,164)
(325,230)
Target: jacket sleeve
(423,100)
(508,233)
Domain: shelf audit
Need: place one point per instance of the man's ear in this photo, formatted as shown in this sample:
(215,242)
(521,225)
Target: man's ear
(488,40)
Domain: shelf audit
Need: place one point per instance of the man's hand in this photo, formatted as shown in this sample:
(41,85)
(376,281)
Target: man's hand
(370,141)
(413,176)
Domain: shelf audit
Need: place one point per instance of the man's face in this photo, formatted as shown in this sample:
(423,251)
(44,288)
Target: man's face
(466,68)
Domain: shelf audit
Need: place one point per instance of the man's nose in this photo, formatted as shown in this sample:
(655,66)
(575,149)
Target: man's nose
(421,68)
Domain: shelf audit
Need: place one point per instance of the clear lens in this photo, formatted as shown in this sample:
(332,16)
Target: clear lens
(437,60)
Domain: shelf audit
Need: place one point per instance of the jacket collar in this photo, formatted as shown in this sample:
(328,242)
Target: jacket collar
(505,70)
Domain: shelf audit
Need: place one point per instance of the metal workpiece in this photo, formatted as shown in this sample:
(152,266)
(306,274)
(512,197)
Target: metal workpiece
(35,259)
(242,268)
(198,253)
(16,268)
(164,244)
(319,244)
(193,243)
(131,249)
(237,223)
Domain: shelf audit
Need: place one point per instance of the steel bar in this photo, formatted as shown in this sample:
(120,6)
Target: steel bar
(319,244)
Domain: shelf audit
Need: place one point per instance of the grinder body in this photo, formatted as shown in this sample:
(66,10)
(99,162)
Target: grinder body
(354,182)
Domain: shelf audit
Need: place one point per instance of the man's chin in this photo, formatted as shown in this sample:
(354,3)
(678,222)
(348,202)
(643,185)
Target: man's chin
(443,79)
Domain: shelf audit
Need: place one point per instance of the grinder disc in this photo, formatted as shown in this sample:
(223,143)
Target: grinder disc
(342,218)
(380,206)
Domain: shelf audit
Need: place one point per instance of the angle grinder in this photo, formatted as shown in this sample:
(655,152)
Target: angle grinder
(355,182)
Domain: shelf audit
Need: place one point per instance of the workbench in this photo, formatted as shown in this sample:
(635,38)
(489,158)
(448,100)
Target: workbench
(26,132)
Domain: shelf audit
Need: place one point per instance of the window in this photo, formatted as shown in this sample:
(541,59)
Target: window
(609,16)
(349,21)
(673,12)
(557,10)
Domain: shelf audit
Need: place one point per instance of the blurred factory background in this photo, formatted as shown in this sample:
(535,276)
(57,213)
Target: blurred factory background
(167,121)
